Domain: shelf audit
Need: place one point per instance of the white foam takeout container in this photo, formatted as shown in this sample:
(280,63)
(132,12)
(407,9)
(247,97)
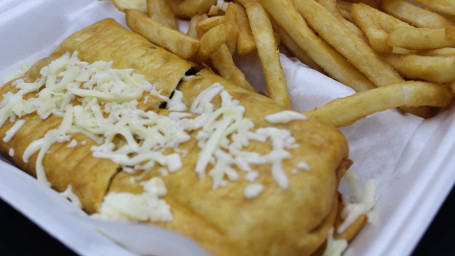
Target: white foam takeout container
(409,158)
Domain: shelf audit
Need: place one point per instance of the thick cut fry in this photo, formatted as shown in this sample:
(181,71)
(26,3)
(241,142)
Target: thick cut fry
(214,38)
(376,25)
(180,44)
(161,11)
(245,39)
(122,5)
(231,16)
(422,38)
(414,14)
(438,69)
(285,14)
(192,27)
(444,6)
(193,7)
(268,51)
(221,60)
(345,111)
(358,52)
(208,23)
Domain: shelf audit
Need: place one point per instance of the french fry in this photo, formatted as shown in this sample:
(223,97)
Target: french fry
(287,17)
(422,38)
(357,51)
(438,69)
(170,39)
(214,38)
(294,48)
(245,39)
(438,52)
(277,38)
(231,16)
(444,6)
(192,27)
(268,51)
(345,111)
(371,3)
(193,7)
(414,14)
(122,5)
(345,9)
(376,25)
(349,233)
(175,7)
(332,6)
(161,11)
(221,60)
(345,6)
(209,23)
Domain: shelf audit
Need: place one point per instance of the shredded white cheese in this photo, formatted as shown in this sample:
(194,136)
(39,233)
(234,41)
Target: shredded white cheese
(72,144)
(137,207)
(11,152)
(105,110)
(101,103)
(284,117)
(24,67)
(253,190)
(364,204)
(69,194)
(226,132)
(334,247)
(12,131)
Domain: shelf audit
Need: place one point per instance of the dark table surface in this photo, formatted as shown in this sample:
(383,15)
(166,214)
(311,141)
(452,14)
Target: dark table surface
(19,236)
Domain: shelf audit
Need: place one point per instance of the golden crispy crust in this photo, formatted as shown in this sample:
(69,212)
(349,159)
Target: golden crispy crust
(292,221)
(107,40)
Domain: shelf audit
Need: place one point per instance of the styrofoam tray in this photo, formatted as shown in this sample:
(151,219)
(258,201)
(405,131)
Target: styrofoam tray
(410,159)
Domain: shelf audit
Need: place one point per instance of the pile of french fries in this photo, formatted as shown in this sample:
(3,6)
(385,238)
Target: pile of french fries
(393,53)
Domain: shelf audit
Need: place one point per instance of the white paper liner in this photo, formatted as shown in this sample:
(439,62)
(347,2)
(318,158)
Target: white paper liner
(409,158)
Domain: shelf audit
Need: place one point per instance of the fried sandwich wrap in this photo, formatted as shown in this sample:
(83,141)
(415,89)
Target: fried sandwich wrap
(187,151)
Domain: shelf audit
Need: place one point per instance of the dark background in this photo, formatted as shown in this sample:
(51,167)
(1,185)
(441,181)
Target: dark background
(19,236)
